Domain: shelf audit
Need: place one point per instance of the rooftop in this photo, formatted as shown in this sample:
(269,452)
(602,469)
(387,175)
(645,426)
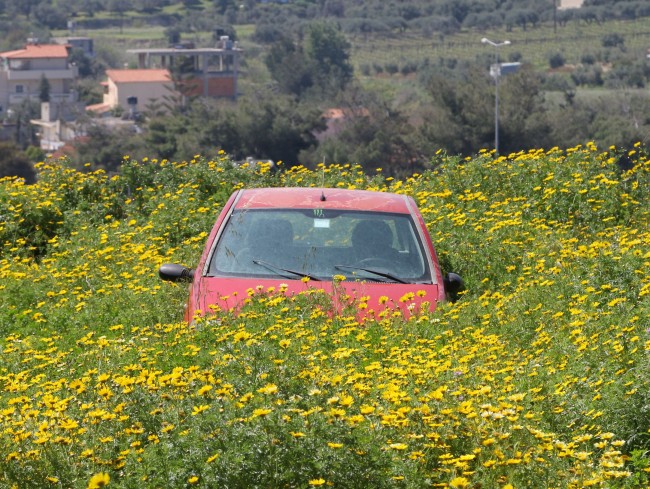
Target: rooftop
(182,51)
(139,75)
(33,51)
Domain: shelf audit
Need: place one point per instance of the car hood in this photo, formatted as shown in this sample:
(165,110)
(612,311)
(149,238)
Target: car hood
(373,297)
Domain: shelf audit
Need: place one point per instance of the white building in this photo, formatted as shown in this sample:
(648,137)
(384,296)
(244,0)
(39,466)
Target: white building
(565,4)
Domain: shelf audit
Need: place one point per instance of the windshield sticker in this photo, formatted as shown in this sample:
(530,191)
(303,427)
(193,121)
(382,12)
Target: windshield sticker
(321,223)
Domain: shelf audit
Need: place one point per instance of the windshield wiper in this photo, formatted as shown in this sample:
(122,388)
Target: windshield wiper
(389,276)
(275,268)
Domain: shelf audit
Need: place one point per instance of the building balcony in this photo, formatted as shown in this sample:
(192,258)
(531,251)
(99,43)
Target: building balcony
(17,98)
(32,75)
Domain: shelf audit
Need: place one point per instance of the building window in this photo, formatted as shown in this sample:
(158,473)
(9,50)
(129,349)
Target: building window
(20,89)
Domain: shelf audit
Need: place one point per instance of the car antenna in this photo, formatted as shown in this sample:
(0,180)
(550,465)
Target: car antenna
(322,195)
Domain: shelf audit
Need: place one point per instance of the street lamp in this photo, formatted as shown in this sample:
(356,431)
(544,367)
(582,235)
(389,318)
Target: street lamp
(496,74)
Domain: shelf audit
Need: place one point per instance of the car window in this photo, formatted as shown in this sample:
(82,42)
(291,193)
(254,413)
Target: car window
(319,243)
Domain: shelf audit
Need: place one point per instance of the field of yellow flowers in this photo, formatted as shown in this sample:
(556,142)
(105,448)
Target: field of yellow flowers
(537,377)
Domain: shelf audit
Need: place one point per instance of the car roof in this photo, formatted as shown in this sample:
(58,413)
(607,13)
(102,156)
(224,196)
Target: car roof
(322,198)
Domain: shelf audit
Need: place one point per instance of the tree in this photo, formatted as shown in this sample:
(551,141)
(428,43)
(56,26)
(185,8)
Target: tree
(334,8)
(483,20)
(456,9)
(162,135)
(564,16)
(269,32)
(612,120)
(289,67)
(149,6)
(50,16)
(20,115)
(89,7)
(223,5)
(372,133)
(461,115)
(106,147)
(173,34)
(277,128)
(192,4)
(119,8)
(21,7)
(556,60)
(329,52)
(44,89)
(274,127)
(86,66)
(522,18)
(613,41)
(523,121)
(591,14)
(89,91)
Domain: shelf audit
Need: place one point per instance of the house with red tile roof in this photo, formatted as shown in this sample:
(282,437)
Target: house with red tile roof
(22,70)
(134,89)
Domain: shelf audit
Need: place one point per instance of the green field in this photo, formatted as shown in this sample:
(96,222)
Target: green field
(534,45)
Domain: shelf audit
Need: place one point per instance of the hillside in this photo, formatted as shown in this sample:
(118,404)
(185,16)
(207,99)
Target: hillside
(536,377)
(408,78)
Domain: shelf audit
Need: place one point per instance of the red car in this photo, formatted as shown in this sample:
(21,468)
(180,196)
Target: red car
(299,238)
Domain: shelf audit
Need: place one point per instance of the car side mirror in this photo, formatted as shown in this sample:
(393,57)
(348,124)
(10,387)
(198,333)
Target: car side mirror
(453,285)
(175,273)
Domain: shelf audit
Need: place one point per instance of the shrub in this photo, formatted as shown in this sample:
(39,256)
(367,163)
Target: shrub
(408,68)
(588,59)
(613,41)
(556,60)
(15,163)
(391,68)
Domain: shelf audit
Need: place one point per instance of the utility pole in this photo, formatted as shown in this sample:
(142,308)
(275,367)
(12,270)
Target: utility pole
(497,75)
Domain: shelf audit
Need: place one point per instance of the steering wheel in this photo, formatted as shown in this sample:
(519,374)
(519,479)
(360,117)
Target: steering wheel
(375,262)
(254,249)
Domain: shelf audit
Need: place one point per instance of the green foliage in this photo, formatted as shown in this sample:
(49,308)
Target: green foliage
(328,50)
(268,127)
(461,116)
(44,89)
(19,117)
(50,16)
(592,116)
(320,65)
(105,147)
(613,41)
(87,67)
(371,133)
(35,154)
(289,67)
(15,163)
(556,60)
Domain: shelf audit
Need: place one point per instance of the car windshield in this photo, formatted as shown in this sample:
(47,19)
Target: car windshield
(320,243)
